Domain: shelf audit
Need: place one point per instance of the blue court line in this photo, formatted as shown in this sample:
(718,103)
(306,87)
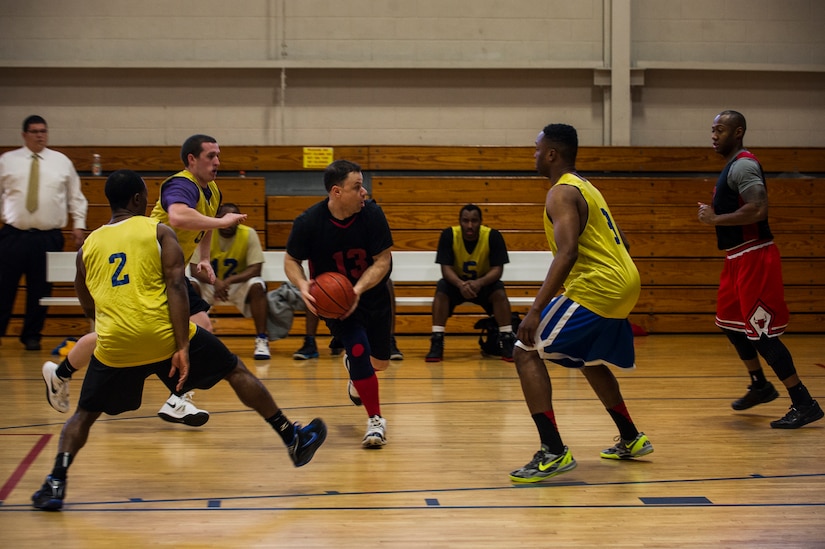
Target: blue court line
(545,486)
(78,508)
(671,501)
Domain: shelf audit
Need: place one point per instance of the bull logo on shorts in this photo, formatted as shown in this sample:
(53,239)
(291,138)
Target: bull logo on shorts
(760,320)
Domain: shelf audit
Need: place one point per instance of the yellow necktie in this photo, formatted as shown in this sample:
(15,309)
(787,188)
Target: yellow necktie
(34,184)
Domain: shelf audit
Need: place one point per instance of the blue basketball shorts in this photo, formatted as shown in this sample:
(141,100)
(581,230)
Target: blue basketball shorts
(571,335)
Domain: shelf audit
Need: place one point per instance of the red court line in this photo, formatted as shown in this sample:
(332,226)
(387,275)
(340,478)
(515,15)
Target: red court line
(15,477)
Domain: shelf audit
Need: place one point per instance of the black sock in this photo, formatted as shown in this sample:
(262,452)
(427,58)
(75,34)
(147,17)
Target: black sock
(627,430)
(799,395)
(65,369)
(283,427)
(61,465)
(548,432)
(757,378)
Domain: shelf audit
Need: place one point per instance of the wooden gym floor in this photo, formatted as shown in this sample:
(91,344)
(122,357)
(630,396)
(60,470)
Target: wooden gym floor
(717,478)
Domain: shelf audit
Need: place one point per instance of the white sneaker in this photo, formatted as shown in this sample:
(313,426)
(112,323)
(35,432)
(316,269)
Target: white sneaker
(57,389)
(261,348)
(376,435)
(352,392)
(179,409)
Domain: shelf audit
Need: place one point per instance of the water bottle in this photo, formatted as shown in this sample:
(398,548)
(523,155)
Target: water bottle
(97,168)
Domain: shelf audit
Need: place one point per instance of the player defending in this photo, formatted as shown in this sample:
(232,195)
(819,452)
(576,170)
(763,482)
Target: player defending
(187,203)
(130,277)
(585,327)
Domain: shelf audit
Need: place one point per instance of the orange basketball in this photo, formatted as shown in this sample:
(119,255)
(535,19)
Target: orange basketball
(333,294)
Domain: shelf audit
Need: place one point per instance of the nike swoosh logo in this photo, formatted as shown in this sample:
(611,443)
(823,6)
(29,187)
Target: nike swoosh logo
(311,440)
(51,388)
(543,467)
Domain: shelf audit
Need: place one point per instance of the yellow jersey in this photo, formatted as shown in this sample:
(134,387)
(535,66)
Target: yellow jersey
(604,278)
(125,277)
(187,238)
(232,256)
(471,266)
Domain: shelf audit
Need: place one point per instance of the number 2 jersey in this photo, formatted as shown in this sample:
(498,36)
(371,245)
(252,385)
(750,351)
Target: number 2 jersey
(125,277)
(604,278)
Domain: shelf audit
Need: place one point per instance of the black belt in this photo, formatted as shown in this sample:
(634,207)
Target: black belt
(29,230)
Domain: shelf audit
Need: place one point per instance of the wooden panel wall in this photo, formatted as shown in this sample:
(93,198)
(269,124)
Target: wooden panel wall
(676,255)
(652,192)
(435,159)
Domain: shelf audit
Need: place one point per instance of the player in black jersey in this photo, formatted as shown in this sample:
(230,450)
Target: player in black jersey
(349,234)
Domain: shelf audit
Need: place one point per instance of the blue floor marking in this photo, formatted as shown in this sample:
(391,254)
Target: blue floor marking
(196,503)
(432,502)
(690,500)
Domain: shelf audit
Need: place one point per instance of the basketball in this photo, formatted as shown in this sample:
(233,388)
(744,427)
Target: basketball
(333,294)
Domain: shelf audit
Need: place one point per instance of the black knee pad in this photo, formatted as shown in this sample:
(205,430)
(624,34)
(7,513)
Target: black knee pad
(744,346)
(776,355)
(358,355)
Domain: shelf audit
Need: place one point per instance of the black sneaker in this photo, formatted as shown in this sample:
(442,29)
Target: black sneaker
(336,347)
(395,354)
(32,344)
(506,341)
(307,440)
(436,353)
(308,351)
(798,416)
(50,496)
(753,397)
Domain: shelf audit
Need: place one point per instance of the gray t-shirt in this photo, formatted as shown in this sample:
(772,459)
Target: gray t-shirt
(744,174)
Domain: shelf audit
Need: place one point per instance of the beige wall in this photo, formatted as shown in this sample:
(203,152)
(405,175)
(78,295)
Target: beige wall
(454,72)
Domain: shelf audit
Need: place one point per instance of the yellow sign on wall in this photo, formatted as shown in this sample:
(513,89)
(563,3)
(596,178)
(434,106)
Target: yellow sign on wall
(317,157)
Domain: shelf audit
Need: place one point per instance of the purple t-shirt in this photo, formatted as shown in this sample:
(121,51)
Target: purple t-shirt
(183,191)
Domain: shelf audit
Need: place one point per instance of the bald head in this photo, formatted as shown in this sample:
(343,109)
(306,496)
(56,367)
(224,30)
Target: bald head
(733,119)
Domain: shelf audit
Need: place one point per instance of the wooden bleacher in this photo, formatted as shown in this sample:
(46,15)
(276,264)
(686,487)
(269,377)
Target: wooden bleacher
(676,255)
(652,192)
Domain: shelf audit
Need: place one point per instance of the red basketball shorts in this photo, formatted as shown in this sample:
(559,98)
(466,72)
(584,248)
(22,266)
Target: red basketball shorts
(751,294)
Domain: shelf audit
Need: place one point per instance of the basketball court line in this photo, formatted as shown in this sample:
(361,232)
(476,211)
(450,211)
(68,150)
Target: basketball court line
(19,471)
(219,503)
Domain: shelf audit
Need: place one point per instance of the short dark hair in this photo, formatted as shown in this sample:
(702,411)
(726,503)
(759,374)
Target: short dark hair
(229,206)
(33,119)
(194,146)
(338,171)
(121,186)
(469,208)
(737,119)
(565,140)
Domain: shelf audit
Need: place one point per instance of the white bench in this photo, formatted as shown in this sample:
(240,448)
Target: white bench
(416,267)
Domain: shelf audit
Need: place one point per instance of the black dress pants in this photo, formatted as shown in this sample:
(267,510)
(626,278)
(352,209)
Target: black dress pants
(24,253)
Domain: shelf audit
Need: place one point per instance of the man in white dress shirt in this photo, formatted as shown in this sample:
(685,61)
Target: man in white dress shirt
(39,187)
